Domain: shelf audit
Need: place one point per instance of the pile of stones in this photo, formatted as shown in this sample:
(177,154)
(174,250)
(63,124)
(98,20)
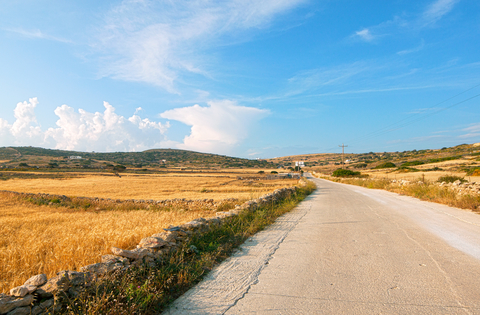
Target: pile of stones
(39,295)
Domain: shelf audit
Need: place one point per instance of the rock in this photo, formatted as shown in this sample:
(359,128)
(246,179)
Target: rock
(100,269)
(152,242)
(8,303)
(20,291)
(167,236)
(61,282)
(37,310)
(20,311)
(125,253)
(115,259)
(75,278)
(37,280)
(47,304)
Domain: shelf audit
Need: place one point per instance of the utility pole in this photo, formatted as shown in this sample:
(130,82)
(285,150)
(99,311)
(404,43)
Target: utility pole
(343,147)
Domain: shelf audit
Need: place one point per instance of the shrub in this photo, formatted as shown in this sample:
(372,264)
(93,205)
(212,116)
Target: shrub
(361,165)
(385,165)
(261,172)
(345,173)
(412,163)
(474,172)
(451,179)
(274,172)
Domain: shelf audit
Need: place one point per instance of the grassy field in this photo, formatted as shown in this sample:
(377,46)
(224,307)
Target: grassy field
(46,239)
(158,187)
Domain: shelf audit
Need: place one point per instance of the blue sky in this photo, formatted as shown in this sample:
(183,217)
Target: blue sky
(244,78)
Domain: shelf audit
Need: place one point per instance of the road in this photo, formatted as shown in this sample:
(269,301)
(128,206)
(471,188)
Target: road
(350,250)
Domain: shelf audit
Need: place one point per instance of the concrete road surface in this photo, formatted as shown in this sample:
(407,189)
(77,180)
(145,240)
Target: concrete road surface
(350,250)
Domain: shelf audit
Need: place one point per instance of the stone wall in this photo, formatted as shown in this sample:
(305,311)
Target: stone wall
(139,203)
(39,295)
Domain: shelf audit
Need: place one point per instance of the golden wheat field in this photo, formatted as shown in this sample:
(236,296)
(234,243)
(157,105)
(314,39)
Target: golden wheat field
(47,239)
(157,187)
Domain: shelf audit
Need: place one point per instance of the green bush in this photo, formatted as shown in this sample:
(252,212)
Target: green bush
(385,165)
(451,179)
(345,173)
(412,163)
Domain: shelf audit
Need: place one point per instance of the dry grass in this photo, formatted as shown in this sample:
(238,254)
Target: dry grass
(158,187)
(46,239)
(42,239)
(430,176)
(425,191)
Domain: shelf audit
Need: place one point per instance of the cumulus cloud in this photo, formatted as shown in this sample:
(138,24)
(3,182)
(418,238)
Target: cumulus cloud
(156,41)
(25,129)
(215,128)
(82,130)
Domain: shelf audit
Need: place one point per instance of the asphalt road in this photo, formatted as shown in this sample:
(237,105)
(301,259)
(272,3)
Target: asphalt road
(350,250)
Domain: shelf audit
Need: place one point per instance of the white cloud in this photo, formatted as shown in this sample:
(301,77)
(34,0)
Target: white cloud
(37,34)
(25,129)
(82,130)
(215,128)
(157,41)
(365,34)
(472,131)
(413,50)
(105,131)
(399,24)
(436,10)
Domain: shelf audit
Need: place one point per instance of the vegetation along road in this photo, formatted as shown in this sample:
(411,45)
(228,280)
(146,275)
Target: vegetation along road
(350,250)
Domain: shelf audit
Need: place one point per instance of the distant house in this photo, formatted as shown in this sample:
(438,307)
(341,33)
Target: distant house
(75,157)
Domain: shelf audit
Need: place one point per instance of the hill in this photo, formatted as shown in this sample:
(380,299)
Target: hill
(39,158)
(460,158)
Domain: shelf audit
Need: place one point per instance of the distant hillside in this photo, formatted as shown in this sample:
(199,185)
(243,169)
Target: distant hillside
(13,157)
(467,157)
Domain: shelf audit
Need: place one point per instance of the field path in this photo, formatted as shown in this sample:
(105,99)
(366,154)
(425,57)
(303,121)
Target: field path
(350,250)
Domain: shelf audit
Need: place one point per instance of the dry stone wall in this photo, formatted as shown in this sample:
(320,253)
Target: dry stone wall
(39,295)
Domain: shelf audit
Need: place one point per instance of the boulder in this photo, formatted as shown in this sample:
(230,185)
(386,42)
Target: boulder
(37,280)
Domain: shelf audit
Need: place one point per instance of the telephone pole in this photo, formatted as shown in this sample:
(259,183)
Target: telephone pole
(343,147)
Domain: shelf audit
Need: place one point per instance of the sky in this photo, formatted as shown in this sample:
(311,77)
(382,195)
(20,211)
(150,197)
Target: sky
(244,78)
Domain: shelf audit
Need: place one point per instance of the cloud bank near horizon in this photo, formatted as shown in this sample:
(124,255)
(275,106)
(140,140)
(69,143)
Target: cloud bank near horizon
(217,128)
